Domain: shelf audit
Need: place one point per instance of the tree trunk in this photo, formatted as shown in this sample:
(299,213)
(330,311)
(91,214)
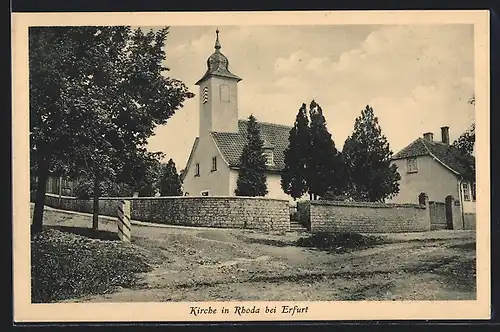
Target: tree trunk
(43,173)
(95,209)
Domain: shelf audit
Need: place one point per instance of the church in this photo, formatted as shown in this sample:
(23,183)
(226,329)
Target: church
(212,166)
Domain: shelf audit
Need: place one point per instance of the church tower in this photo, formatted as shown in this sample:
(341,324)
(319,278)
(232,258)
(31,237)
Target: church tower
(218,95)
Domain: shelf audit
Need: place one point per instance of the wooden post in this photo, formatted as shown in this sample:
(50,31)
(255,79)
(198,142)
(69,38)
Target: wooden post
(95,209)
(124,229)
(60,189)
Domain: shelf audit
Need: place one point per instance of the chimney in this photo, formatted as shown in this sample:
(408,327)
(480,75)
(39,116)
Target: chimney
(445,135)
(428,136)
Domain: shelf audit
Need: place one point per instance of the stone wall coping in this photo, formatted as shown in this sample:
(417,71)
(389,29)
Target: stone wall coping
(367,204)
(171,198)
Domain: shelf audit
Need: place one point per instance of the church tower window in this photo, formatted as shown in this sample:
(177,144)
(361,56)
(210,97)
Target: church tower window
(205,95)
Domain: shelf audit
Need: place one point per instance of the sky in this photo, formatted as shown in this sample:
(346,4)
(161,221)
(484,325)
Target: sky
(417,78)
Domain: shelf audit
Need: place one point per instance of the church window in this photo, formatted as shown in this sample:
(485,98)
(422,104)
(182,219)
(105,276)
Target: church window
(224,93)
(214,164)
(197,170)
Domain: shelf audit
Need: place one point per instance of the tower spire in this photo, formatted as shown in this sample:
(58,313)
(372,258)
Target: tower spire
(217,63)
(217,43)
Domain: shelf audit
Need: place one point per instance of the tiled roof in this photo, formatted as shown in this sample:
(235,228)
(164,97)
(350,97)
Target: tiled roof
(274,135)
(446,154)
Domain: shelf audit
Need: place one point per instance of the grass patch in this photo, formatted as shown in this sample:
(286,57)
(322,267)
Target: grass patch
(66,265)
(267,241)
(339,242)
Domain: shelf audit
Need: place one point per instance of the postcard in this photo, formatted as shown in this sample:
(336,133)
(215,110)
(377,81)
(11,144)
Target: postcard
(251,166)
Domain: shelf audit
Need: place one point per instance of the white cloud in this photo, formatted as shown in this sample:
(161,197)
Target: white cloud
(287,82)
(295,61)
(317,64)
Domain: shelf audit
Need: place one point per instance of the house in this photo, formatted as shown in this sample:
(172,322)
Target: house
(212,166)
(436,169)
(58,185)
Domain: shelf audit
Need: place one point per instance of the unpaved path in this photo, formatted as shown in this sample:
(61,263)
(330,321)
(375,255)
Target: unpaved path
(202,264)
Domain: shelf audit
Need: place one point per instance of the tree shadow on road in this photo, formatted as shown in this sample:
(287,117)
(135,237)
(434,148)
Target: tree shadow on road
(87,232)
(327,241)
(339,242)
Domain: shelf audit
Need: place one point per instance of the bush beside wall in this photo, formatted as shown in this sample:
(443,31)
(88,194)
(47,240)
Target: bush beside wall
(332,216)
(225,212)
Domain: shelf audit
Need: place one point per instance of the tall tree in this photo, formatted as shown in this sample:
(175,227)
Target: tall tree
(465,144)
(325,164)
(170,181)
(140,169)
(466,141)
(368,156)
(251,173)
(294,176)
(96,93)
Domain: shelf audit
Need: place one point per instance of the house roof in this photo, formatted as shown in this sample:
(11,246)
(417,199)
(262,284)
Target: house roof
(445,154)
(275,136)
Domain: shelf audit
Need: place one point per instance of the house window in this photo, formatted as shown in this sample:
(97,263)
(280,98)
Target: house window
(197,170)
(224,93)
(411,165)
(269,157)
(214,164)
(465,191)
(205,193)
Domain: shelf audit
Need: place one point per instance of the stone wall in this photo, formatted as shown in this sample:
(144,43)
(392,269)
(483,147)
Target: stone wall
(470,221)
(225,212)
(332,216)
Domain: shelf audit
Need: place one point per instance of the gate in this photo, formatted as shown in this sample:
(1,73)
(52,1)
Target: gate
(438,215)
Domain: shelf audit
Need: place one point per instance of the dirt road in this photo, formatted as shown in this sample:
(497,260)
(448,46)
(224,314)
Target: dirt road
(201,264)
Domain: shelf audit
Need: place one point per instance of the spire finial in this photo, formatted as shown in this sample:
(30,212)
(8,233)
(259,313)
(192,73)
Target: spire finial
(217,44)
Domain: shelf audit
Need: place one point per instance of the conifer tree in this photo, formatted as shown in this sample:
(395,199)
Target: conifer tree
(372,176)
(251,174)
(294,175)
(170,182)
(325,163)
